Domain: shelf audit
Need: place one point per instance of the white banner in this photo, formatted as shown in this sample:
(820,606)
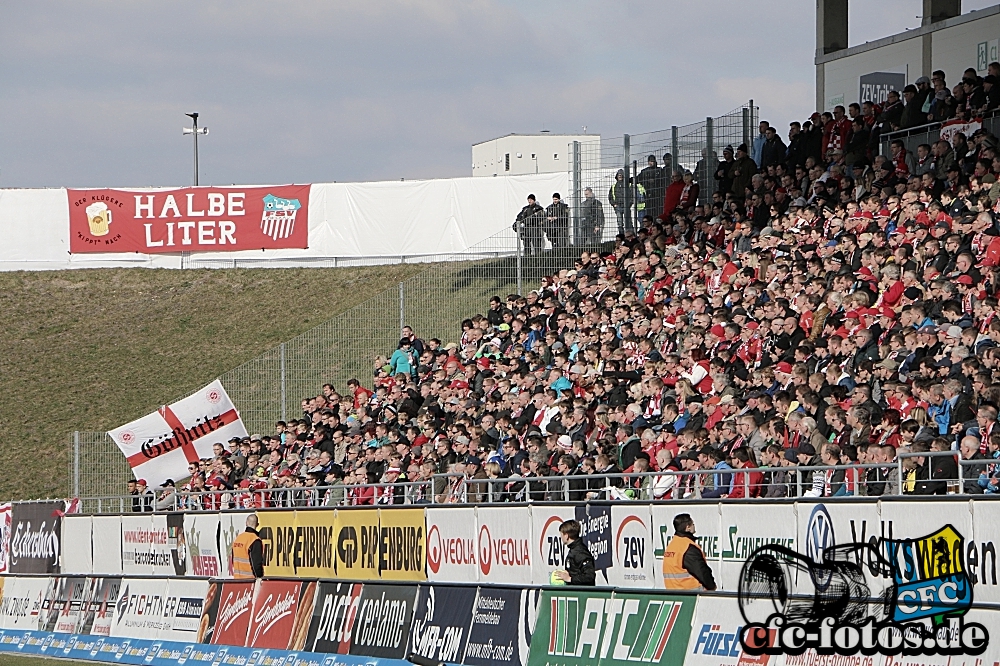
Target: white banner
(745,528)
(77,555)
(5,524)
(548,552)
(631,526)
(981,550)
(451,544)
(950,129)
(145,547)
(107,544)
(160,446)
(503,544)
(708,528)
(21,606)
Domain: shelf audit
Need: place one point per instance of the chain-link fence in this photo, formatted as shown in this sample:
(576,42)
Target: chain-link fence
(696,148)
(436,301)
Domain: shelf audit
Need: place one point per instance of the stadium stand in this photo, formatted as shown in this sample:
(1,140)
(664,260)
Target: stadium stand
(826,326)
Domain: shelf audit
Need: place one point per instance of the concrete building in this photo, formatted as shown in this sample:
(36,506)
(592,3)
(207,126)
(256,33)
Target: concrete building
(946,39)
(521,154)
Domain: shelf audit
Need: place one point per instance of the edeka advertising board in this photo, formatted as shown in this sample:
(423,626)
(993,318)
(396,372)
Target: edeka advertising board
(589,628)
(503,544)
(190,219)
(501,627)
(35,534)
(441,622)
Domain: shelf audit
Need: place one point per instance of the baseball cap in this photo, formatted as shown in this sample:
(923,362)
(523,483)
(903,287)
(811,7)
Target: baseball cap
(807,449)
(964,279)
(784,367)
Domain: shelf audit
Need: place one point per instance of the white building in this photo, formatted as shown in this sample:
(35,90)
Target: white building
(521,154)
(946,40)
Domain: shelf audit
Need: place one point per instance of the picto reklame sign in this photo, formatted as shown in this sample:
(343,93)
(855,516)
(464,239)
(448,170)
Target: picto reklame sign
(875,87)
(587,628)
(36,532)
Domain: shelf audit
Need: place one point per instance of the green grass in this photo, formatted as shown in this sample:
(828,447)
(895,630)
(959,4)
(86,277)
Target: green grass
(93,349)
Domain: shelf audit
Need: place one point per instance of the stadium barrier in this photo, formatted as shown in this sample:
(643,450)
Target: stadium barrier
(520,544)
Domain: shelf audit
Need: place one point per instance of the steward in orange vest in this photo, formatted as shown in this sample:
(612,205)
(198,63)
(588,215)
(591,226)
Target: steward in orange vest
(248,552)
(684,566)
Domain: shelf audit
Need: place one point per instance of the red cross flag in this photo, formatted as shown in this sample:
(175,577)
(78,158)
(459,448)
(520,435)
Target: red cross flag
(160,446)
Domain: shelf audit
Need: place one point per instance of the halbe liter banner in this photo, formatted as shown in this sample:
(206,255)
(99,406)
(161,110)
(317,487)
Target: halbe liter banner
(191,219)
(159,446)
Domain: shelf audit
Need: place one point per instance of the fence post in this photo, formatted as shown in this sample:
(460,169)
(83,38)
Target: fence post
(674,152)
(627,197)
(708,187)
(283,393)
(577,192)
(402,308)
(518,269)
(746,127)
(76,463)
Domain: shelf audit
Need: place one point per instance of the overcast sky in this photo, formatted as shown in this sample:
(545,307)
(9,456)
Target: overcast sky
(94,93)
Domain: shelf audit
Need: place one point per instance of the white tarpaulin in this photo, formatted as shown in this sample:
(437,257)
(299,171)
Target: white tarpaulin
(77,553)
(107,544)
(382,219)
(160,446)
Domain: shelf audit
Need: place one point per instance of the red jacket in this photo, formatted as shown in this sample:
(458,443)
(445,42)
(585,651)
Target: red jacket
(671,199)
(754,478)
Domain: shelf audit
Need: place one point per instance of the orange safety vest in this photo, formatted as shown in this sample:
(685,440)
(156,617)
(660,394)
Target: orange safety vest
(241,555)
(675,576)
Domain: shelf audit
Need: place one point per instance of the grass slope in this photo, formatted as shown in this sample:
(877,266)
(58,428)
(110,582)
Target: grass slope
(92,349)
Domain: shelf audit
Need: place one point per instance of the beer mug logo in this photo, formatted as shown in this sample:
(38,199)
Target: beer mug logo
(99,218)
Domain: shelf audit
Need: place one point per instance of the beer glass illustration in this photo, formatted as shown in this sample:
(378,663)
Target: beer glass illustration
(99,218)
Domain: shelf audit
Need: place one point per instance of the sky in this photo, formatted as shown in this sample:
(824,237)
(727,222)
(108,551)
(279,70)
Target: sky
(93,93)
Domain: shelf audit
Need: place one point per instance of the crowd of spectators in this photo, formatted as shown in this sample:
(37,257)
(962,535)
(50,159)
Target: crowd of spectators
(829,316)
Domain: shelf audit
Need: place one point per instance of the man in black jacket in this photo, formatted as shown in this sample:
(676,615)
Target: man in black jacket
(579,561)
(557,222)
(529,226)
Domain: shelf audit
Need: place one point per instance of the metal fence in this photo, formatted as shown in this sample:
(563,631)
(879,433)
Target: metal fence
(434,302)
(795,482)
(695,148)
(929,134)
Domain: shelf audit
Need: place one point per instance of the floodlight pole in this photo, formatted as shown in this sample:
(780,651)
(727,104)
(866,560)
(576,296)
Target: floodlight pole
(195,131)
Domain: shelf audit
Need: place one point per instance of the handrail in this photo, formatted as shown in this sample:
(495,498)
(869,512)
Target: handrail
(454,488)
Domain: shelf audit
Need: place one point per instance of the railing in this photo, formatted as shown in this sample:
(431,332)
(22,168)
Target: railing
(461,489)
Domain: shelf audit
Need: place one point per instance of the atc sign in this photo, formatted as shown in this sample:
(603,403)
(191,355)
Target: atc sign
(192,219)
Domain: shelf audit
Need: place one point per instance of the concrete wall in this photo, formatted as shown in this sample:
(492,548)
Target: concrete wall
(970,40)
